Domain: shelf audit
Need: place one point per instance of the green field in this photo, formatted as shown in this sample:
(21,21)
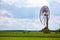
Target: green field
(20,38)
(28,36)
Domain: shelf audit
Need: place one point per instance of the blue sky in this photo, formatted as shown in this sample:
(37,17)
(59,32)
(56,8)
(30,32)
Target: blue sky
(24,14)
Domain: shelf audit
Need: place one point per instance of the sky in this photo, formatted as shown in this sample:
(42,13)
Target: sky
(24,14)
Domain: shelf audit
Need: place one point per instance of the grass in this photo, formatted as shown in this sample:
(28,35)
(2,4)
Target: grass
(16,36)
(27,34)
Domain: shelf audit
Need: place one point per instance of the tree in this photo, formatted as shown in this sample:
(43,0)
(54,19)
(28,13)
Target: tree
(46,31)
(57,31)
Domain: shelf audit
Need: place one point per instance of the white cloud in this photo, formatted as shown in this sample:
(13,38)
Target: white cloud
(4,17)
(26,3)
(26,24)
(57,1)
(5,13)
(10,2)
(17,23)
(54,22)
(54,1)
(13,23)
(37,24)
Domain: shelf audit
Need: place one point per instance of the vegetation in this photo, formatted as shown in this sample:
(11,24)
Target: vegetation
(57,31)
(18,38)
(28,35)
(46,31)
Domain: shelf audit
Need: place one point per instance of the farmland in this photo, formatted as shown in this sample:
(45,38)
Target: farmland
(28,36)
(20,38)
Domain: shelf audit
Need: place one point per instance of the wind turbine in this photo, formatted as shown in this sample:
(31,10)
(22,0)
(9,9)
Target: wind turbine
(44,16)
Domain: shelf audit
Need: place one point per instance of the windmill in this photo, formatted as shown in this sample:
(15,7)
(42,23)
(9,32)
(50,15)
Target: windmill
(44,16)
